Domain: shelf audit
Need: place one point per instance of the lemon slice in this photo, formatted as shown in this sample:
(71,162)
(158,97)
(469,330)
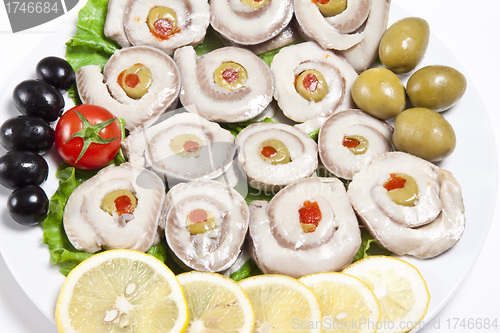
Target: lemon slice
(399,288)
(121,291)
(216,304)
(348,304)
(282,304)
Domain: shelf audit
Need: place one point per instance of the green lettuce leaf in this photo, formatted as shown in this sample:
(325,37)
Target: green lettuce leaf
(249,268)
(369,246)
(236,128)
(89,45)
(210,42)
(269,55)
(62,252)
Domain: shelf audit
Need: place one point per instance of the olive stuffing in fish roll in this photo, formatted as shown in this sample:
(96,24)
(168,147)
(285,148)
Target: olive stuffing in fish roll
(206,224)
(274,155)
(308,227)
(408,204)
(229,84)
(349,140)
(138,84)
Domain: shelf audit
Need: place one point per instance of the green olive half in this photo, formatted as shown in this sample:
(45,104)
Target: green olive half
(331,7)
(404,44)
(311,85)
(230,75)
(379,92)
(135,80)
(436,87)
(424,133)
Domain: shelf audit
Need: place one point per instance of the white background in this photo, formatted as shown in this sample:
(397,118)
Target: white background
(470,29)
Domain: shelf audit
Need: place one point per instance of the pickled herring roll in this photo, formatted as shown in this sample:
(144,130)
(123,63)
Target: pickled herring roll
(164,24)
(274,155)
(311,83)
(206,224)
(362,55)
(349,140)
(183,147)
(138,84)
(118,208)
(308,227)
(334,24)
(250,22)
(229,84)
(408,204)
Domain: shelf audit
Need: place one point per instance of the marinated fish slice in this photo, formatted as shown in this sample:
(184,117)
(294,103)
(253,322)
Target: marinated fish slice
(308,227)
(120,207)
(183,147)
(250,22)
(275,155)
(287,36)
(113,27)
(139,83)
(349,140)
(332,30)
(423,219)
(166,24)
(229,84)
(206,224)
(311,83)
(362,55)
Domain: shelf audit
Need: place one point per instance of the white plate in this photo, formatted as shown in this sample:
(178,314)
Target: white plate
(28,258)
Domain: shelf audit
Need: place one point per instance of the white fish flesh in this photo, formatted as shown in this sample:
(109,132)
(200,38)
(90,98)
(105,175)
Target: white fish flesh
(281,246)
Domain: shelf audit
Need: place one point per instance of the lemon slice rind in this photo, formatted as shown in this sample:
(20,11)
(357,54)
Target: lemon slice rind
(149,294)
(215,302)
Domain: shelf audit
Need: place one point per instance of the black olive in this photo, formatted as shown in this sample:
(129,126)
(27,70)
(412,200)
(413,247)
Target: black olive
(27,133)
(20,168)
(56,72)
(39,99)
(28,205)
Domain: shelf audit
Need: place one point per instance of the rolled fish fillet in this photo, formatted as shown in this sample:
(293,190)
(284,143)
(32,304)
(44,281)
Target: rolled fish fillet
(308,227)
(163,24)
(229,84)
(409,205)
(287,36)
(119,208)
(250,22)
(311,83)
(138,84)
(362,55)
(349,140)
(183,147)
(113,26)
(274,155)
(206,224)
(333,27)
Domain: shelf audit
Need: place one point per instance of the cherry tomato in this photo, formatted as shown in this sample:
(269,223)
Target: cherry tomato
(87,137)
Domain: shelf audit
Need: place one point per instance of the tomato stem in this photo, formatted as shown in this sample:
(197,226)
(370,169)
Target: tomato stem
(90,134)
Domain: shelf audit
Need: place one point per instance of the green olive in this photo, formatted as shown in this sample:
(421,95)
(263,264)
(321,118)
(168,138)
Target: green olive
(424,133)
(186,145)
(402,189)
(230,75)
(255,3)
(311,85)
(119,201)
(331,7)
(135,81)
(403,44)
(357,144)
(274,151)
(436,87)
(379,92)
(162,22)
